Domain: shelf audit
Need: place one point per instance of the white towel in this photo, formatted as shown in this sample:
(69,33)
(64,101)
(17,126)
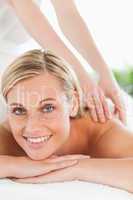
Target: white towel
(75,190)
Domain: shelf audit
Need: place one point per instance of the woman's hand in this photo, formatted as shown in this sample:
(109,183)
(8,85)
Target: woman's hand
(24,167)
(113,91)
(66,173)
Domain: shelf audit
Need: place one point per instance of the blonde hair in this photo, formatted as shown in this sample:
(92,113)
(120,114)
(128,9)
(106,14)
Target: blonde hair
(35,62)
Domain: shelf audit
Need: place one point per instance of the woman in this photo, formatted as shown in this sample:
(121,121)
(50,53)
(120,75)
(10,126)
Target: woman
(50,137)
(74,28)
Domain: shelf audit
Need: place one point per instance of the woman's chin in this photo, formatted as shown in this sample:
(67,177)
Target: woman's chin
(40,151)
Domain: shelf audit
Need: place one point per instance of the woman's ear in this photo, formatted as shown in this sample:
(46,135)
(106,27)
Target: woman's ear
(74,104)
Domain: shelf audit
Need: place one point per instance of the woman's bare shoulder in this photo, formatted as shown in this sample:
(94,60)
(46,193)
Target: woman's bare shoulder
(86,125)
(112,139)
(8,145)
(94,130)
(5,125)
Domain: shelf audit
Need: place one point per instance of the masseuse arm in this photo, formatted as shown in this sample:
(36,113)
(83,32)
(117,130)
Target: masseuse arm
(40,29)
(76,31)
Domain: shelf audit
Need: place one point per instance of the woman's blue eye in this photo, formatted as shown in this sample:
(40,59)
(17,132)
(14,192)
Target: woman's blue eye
(18,111)
(48,108)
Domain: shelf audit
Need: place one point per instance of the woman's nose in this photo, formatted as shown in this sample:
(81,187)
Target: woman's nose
(33,124)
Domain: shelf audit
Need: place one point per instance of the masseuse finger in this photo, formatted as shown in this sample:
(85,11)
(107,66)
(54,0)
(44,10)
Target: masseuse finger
(119,107)
(91,106)
(105,105)
(121,114)
(99,107)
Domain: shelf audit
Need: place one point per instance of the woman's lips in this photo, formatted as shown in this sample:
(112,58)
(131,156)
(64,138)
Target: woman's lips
(37,142)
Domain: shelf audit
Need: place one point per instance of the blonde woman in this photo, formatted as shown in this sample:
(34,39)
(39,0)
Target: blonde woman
(49,136)
(74,28)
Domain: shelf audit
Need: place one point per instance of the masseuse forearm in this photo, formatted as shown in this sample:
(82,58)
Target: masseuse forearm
(38,26)
(114,172)
(76,30)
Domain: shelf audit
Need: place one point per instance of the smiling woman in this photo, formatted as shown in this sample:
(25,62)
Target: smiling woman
(34,102)
(48,121)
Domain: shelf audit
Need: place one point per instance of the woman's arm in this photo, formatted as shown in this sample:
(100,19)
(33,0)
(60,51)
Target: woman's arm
(75,29)
(15,163)
(112,172)
(5,166)
(24,167)
(112,156)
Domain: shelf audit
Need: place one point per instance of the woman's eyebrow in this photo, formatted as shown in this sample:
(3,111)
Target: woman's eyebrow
(16,104)
(43,100)
(47,99)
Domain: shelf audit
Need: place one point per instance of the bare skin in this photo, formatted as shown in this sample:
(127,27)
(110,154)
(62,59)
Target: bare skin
(86,137)
(77,144)
(110,144)
(108,158)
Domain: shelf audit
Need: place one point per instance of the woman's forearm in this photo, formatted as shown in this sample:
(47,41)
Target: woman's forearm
(113,172)
(39,28)
(75,29)
(5,166)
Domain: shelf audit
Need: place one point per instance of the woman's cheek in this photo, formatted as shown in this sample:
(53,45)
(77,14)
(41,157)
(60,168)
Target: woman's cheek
(16,125)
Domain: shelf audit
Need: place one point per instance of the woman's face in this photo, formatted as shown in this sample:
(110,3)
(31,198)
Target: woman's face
(39,115)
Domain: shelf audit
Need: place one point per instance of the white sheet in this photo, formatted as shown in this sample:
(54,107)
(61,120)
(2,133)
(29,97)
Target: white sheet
(75,190)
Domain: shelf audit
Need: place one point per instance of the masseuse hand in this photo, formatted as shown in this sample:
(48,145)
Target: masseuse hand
(24,167)
(95,100)
(112,90)
(56,169)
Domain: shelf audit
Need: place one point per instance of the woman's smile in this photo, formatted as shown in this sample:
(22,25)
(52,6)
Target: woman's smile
(37,142)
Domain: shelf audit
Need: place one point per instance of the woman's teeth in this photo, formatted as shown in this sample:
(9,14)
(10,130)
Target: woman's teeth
(38,139)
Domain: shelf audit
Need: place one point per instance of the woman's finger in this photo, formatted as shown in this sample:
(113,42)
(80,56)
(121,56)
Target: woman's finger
(26,167)
(55,176)
(67,157)
(58,165)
